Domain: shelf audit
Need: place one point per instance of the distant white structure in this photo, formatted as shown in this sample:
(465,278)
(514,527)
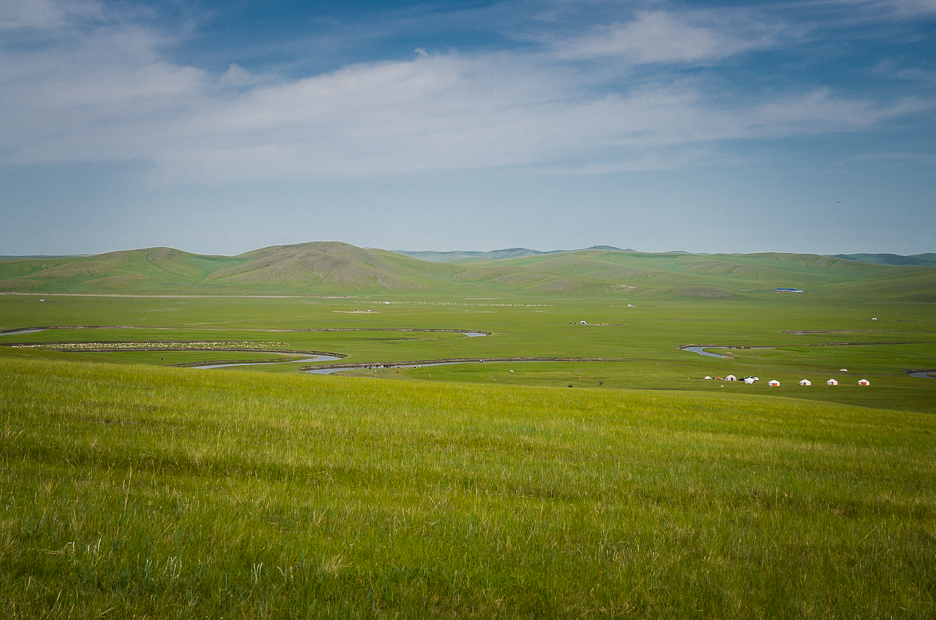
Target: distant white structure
(806,382)
(864,382)
(874,319)
(831,382)
(749,380)
(707,377)
(773,383)
(584,323)
(843,370)
(731,378)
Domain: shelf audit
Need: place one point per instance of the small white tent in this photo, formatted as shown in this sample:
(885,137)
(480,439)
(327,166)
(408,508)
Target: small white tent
(831,382)
(805,382)
(749,380)
(731,378)
(864,382)
(773,383)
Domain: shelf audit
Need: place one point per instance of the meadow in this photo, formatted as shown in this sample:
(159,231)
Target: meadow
(132,488)
(811,338)
(135,491)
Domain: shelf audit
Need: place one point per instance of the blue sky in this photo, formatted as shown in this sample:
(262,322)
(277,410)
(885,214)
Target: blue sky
(221,127)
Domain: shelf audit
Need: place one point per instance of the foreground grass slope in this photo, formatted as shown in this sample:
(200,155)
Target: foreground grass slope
(139,491)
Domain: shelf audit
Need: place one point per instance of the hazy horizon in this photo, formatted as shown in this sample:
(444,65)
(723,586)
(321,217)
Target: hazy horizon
(467,251)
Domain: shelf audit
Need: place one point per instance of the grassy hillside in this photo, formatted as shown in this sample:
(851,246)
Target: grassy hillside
(328,268)
(928,260)
(143,492)
(297,269)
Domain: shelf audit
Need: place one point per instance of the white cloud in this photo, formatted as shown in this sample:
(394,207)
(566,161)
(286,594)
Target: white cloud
(660,37)
(43,14)
(907,8)
(236,75)
(108,95)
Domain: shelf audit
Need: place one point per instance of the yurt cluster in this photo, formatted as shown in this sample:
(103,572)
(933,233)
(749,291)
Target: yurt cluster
(775,383)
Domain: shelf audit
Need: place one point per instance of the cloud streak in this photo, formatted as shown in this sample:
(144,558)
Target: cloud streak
(664,37)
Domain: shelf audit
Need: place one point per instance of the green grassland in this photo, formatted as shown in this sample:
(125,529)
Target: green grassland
(133,489)
(813,338)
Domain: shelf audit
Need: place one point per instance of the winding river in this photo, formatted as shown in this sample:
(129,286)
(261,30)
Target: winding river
(314,358)
(702,351)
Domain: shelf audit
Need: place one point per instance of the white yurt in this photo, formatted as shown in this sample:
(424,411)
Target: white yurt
(864,382)
(805,382)
(749,380)
(707,377)
(843,370)
(731,378)
(773,383)
(831,382)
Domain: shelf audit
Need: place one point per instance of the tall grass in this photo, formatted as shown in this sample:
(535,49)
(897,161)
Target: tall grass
(134,491)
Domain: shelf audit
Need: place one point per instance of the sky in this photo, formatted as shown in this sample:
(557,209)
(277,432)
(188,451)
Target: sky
(219,127)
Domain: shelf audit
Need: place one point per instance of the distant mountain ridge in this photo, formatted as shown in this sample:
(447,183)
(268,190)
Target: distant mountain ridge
(335,268)
(443,257)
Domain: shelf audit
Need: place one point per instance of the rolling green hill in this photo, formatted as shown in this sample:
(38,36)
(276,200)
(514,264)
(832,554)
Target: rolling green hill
(928,260)
(325,268)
